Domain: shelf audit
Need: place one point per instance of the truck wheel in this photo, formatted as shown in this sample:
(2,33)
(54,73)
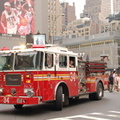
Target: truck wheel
(66,99)
(98,94)
(18,106)
(59,101)
(92,96)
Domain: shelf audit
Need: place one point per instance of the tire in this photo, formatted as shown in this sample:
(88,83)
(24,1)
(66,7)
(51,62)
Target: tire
(66,99)
(18,106)
(92,96)
(99,93)
(59,101)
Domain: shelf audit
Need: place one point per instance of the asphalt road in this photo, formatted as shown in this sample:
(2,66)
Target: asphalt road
(84,109)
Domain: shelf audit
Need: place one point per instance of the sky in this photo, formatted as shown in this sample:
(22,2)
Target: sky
(79,4)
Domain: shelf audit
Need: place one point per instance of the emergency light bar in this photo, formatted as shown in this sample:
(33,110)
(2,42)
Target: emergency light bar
(4,48)
(19,47)
(38,46)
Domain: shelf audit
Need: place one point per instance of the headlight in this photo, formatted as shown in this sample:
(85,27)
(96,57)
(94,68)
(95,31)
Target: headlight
(29,92)
(1,90)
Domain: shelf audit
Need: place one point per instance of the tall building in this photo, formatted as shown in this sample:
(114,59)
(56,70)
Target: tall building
(69,14)
(41,16)
(116,6)
(54,19)
(77,28)
(112,26)
(98,10)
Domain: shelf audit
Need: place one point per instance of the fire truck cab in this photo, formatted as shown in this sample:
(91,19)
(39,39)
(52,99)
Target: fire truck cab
(48,73)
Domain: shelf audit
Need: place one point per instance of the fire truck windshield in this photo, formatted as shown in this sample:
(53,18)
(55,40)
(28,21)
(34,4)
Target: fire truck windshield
(25,60)
(6,61)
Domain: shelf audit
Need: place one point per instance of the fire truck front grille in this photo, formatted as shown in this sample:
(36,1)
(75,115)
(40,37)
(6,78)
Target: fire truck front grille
(13,79)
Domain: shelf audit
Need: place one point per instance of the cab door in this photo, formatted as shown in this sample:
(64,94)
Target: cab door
(73,75)
(48,76)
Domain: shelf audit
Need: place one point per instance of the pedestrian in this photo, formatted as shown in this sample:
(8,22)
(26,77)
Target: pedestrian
(116,79)
(111,82)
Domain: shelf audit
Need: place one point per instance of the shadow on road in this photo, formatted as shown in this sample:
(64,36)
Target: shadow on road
(43,108)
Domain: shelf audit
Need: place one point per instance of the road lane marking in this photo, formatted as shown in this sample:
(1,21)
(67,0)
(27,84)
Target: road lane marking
(88,116)
(115,111)
(116,116)
(59,119)
(79,116)
(109,115)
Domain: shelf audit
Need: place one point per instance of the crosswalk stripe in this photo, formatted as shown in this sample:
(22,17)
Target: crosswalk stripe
(79,116)
(115,111)
(89,117)
(116,116)
(109,115)
(59,119)
(92,116)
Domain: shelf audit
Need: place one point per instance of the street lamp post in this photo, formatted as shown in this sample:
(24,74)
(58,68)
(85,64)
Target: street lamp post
(54,26)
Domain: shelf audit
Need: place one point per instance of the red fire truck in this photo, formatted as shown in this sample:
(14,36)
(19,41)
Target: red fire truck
(42,73)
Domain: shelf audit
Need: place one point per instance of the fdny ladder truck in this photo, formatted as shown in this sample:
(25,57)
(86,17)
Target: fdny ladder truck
(42,73)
